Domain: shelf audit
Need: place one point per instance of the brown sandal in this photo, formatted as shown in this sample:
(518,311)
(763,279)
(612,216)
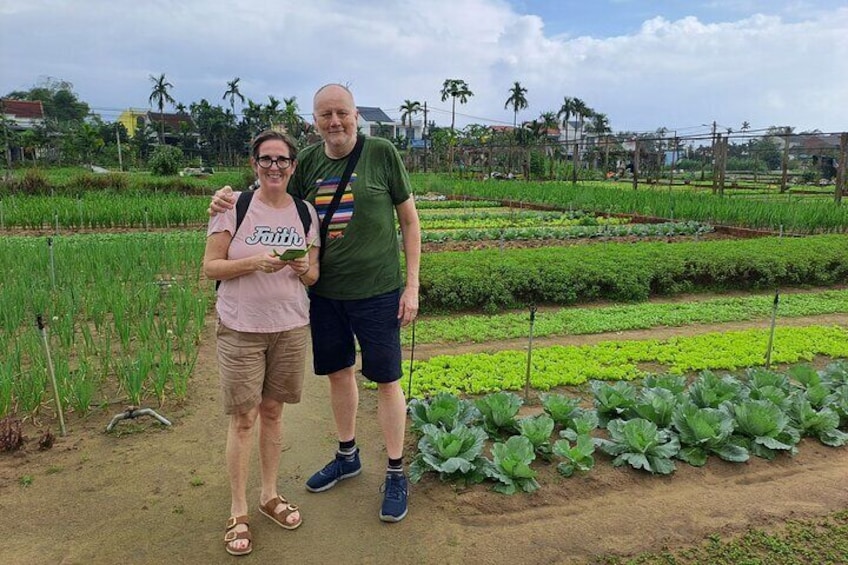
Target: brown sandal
(233,535)
(280,517)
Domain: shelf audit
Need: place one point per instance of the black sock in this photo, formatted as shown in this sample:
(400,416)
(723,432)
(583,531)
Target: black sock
(347,447)
(395,465)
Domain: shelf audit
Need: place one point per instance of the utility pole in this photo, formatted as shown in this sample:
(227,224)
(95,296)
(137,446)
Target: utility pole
(118,137)
(425,137)
(843,163)
(713,155)
(784,179)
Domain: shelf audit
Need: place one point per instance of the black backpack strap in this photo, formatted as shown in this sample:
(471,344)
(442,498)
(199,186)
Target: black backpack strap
(242,204)
(352,159)
(305,216)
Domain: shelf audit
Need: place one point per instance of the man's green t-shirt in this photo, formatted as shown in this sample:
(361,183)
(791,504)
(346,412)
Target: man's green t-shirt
(362,255)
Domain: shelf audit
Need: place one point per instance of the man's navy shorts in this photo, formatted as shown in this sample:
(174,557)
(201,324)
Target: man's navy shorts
(372,321)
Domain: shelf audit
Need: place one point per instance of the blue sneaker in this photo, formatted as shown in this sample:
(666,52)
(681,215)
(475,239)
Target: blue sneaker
(342,467)
(395,493)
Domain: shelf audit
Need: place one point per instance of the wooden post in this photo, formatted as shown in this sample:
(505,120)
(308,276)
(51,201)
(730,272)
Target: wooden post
(840,173)
(721,163)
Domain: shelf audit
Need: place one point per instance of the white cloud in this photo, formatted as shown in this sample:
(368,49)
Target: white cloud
(763,69)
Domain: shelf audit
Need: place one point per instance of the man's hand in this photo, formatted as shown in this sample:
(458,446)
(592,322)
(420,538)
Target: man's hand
(222,200)
(408,309)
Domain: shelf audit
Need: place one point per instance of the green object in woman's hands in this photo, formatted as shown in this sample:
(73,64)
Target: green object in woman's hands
(290,254)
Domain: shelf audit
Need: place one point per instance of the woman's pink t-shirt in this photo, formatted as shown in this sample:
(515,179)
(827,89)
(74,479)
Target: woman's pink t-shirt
(264,302)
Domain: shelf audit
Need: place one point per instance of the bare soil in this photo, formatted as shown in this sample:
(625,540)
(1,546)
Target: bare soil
(152,494)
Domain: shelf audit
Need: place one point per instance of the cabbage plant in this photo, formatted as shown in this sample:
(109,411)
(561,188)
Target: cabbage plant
(577,457)
(538,430)
(583,424)
(656,405)
(445,410)
(454,454)
(710,391)
(560,407)
(499,410)
(705,431)
(822,424)
(641,444)
(614,400)
(763,428)
(511,466)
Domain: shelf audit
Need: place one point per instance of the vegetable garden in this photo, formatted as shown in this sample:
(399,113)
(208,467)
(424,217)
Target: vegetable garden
(125,314)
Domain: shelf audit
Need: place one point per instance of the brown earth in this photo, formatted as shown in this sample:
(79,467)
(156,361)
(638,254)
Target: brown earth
(149,494)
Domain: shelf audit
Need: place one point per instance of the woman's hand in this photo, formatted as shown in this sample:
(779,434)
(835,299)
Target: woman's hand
(267,263)
(224,199)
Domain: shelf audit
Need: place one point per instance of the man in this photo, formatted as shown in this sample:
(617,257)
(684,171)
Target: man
(361,292)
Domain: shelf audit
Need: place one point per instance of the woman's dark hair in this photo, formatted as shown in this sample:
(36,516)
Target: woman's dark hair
(269,134)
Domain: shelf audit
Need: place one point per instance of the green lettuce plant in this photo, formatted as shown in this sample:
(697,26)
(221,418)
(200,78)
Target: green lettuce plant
(640,444)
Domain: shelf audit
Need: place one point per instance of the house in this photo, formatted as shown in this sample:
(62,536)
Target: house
(134,119)
(22,114)
(374,121)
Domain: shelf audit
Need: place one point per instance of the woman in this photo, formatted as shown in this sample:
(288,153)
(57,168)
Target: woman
(263,316)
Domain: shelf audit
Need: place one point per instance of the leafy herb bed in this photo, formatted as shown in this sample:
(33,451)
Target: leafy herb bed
(494,280)
(557,366)
(793,215)
(668,229)
(574,321)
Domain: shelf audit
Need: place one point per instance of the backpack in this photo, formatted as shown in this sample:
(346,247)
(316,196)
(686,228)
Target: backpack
(243,203)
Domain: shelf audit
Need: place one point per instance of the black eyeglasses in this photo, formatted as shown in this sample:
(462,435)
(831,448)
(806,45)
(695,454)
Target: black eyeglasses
(282,162)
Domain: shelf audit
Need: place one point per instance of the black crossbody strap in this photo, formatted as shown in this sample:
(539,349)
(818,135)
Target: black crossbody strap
(337,197)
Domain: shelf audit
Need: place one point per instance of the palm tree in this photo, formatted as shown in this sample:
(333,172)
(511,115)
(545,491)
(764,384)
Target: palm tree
(565,112)
(455,88)
(600,126)
(582,111)
(181,108)
(517,100)
(272,110)
(232,93)
(408,109)
(291,117)
(161,95)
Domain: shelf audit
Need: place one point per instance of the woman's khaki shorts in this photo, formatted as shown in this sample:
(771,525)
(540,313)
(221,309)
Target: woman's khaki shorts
(254,366)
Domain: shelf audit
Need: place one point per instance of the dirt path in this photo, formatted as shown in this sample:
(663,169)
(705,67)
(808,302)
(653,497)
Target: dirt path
(155,495)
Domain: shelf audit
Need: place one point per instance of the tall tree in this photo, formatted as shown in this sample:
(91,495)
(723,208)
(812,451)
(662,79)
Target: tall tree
(408,110)
(232,93)
(565,112)
(454,88)
(160,94)
(291,117)
(517,100)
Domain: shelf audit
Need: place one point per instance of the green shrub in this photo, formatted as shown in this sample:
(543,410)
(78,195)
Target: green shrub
(166,160)
(493,280)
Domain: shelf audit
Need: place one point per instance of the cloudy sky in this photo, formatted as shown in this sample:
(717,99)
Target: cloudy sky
(646,64)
